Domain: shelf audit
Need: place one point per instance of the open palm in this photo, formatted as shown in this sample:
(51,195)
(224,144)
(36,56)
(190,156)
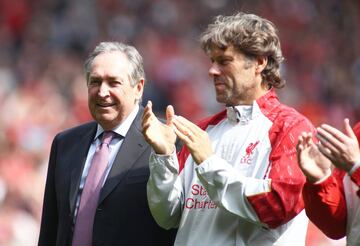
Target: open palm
(313,163)
(159,135)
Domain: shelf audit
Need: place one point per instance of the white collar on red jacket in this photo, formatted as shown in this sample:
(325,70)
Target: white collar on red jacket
(242,113)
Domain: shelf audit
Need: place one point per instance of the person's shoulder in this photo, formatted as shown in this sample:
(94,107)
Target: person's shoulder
(77,130)
(289,111)
(289,117)
(277,112)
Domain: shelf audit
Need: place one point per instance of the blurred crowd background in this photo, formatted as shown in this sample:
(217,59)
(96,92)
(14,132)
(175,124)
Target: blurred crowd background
(43,44)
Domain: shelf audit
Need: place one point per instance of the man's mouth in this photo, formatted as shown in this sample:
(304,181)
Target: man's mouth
(105,105)
(219,84)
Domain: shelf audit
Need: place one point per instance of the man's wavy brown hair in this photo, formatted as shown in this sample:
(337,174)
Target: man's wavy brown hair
(253,36)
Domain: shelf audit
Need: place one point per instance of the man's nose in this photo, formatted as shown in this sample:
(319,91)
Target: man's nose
(214,70)
(103,89)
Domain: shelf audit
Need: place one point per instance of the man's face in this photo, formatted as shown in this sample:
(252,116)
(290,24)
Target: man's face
(235,78)
(111,98)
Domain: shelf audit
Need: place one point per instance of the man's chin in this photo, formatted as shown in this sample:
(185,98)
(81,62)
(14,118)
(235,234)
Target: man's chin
(102,110)
(104,118)
(106,123)
(221,99)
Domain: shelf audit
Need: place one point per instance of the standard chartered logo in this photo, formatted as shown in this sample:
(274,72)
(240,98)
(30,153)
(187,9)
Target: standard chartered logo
(199,199)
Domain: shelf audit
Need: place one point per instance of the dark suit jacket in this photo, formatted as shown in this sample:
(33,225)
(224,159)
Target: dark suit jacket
(122,216)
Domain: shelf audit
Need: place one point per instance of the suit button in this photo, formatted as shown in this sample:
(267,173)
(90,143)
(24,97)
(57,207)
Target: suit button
(99,209)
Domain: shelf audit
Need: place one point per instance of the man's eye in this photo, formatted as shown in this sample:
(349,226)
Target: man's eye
(115,83)
(94,82)
(224,62)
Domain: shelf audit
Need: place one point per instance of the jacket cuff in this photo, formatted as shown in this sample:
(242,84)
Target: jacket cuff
(355,176)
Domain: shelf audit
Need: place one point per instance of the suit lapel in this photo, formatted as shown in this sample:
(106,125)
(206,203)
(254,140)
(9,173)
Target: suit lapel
(81,149)
(132,147)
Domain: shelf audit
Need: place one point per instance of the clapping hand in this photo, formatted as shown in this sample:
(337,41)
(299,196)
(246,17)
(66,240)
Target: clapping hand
(196,139)
(160,136)
(312,162)
(341,148)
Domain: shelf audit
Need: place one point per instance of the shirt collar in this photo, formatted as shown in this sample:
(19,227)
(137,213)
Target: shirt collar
(123,127)
(244,113)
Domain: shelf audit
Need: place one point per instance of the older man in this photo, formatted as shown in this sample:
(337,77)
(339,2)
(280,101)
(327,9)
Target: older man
(96,184)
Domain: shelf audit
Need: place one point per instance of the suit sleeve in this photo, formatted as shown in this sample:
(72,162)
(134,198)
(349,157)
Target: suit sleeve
(49,218)
(164,190)
(270,201)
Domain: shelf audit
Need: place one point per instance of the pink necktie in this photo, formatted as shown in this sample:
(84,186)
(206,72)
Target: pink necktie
(90,195)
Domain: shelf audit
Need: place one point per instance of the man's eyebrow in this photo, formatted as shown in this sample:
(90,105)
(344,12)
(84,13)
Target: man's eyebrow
(96,76)
(222,57)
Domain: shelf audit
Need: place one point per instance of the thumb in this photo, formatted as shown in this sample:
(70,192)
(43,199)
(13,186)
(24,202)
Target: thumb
(169,114)
(348,130)
(149,105)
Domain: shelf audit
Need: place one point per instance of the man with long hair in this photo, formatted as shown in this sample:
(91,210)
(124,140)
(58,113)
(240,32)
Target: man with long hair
(236,181)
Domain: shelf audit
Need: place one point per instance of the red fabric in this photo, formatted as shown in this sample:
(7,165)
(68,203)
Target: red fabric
(325,205)
(357,130)
(355,177)
(284,201)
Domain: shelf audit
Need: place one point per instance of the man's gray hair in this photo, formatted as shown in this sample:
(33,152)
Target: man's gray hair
(136,72)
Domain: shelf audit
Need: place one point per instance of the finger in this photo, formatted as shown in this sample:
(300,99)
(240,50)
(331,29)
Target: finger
(326,144)
(170,113)
(308,138)
(148,108)
(327,139)
(301,139)
(147,115)
(144,119)
(335,133)
(145,127)
(182,129)
(301,154)
(348,129)
(310,142)
(300,146)
(326,152)
(188,124)
(183,137)
(149,105)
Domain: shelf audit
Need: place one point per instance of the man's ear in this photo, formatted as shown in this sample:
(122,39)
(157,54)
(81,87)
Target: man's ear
(261,63)
(140,88)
